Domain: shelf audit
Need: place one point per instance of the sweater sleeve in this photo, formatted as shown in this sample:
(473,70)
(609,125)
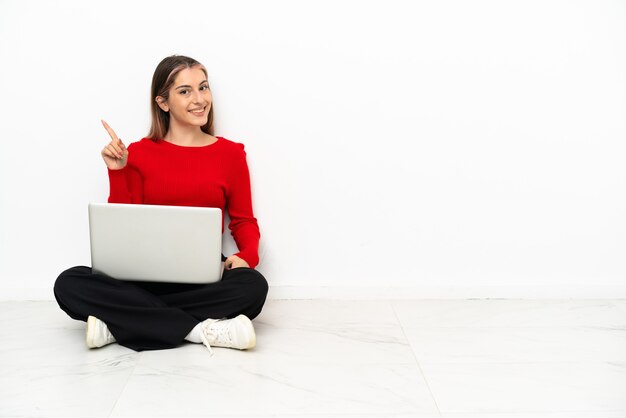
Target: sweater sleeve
(125,186)
(243,225)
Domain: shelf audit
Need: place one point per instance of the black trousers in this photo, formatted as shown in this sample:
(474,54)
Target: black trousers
(152,316)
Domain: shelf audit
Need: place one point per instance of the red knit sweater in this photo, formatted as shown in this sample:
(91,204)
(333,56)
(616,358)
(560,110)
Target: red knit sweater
(216,175)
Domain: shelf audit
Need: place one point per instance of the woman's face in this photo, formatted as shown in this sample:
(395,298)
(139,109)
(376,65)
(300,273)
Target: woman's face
(189,99)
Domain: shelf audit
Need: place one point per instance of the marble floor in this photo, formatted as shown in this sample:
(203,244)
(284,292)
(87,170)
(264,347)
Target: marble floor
(321,358)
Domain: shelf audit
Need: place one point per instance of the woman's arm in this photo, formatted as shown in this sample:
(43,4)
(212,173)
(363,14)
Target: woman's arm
(243,225)
(125,183)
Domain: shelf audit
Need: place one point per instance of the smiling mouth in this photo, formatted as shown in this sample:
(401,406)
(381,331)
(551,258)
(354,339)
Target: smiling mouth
(198,112)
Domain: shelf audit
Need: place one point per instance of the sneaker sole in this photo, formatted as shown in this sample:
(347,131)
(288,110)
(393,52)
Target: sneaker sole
(245,321)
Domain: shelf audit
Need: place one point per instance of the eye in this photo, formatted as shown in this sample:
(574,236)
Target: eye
(184,91)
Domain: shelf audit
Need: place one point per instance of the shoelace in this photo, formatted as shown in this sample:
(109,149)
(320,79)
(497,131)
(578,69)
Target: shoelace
(205,341)
(220,334)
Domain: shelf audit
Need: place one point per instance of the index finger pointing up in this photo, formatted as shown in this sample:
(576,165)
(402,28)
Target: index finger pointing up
(110,131)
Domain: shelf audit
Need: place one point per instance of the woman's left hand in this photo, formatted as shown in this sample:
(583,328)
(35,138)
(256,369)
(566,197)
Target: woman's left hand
(234,262)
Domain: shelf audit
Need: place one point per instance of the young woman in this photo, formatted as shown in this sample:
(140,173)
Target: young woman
(180,163)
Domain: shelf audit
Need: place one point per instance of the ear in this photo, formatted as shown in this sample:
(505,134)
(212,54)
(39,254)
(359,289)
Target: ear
(162,103)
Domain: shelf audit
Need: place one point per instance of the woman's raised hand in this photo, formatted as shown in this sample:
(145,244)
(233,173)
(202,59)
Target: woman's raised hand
(115,154)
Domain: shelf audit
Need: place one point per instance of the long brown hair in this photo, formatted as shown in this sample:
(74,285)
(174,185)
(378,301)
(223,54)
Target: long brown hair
(162,80)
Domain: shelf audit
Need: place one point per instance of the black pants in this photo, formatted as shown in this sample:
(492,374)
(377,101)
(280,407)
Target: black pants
(151,316)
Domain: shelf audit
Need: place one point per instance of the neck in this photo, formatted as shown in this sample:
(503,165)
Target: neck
(185,135)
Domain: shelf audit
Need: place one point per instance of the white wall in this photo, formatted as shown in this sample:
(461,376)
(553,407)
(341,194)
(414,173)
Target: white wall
(437,149)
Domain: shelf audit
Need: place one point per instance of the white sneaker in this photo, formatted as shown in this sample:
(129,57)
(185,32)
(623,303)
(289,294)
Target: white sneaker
(98,334)
(231,333)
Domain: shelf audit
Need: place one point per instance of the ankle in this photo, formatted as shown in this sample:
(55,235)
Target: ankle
(195,335)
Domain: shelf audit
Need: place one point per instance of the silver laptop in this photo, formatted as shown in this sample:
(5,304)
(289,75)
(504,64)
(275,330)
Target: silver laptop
(156,243)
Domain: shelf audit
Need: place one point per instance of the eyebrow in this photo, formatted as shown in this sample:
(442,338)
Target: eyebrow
(187,86)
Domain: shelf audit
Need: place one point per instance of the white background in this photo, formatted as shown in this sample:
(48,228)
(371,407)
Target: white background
(433,148)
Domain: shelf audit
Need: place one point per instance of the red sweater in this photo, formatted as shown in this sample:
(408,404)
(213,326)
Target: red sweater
(216,175)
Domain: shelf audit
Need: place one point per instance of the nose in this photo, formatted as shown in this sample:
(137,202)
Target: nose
(198,97)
